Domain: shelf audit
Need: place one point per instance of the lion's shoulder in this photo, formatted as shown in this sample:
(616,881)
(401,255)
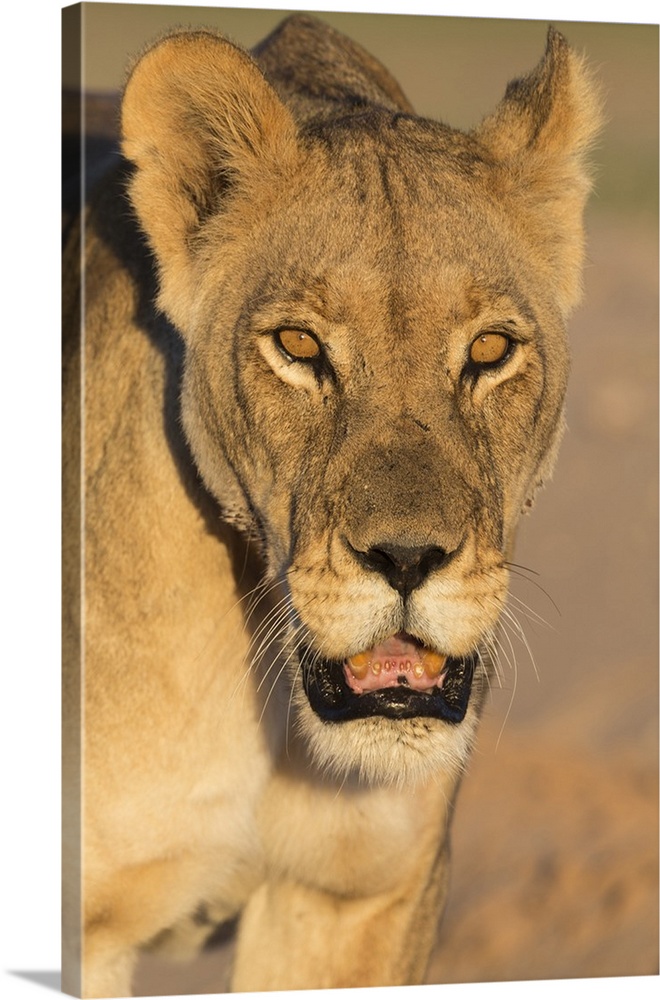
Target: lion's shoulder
(319,71)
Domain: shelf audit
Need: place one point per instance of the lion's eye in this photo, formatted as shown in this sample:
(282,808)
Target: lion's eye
(298,345)
(489,348)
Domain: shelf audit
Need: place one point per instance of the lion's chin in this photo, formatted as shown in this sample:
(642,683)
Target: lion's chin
(398,679)
(378,750)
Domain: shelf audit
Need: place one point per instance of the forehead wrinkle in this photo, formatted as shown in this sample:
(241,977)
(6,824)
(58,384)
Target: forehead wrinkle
(381,250)
(419,246)
(458,291)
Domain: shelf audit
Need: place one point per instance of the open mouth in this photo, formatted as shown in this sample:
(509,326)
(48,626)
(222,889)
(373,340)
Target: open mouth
(399,678)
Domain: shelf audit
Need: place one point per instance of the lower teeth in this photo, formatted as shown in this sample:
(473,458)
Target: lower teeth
(431,664)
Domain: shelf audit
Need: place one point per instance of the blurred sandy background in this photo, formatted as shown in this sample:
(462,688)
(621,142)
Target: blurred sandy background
(556,836)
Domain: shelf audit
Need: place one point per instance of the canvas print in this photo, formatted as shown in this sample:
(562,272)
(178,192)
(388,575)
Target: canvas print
(342,293)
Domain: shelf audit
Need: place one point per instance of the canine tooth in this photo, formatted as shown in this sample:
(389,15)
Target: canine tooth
(359,665)
(433,663)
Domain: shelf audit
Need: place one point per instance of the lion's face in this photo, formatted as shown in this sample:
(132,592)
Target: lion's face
(383,387)
(372,307)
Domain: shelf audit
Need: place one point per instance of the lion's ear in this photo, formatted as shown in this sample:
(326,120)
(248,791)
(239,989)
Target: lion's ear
(539,137)
(198,118)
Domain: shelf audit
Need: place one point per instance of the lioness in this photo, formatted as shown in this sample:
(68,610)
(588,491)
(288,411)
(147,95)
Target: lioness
(303,469)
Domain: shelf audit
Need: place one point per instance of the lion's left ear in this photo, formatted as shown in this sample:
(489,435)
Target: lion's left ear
(198,120)
(539,137)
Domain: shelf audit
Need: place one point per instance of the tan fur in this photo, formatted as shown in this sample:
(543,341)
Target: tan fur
(310,198)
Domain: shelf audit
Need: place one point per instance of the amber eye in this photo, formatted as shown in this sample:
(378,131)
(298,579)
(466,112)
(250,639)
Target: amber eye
(298,345)
(489,348)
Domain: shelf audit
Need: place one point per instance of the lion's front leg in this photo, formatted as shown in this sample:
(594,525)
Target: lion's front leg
(296,937)
(108,964)
(355,878)
(357,883)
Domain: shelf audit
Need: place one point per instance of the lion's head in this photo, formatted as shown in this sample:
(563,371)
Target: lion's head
(373,311)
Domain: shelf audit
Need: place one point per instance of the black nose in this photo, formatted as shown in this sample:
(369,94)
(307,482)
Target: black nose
(403,567)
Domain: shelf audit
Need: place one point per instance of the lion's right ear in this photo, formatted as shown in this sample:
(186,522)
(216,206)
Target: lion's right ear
(198,117)
(539,138)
